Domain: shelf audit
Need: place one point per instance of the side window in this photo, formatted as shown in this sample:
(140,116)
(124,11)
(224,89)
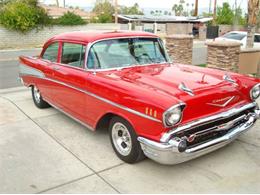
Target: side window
(73,54)
(257,38)
(51,53)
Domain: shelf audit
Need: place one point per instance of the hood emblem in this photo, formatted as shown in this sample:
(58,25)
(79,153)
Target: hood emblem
(223,102)
(184,88)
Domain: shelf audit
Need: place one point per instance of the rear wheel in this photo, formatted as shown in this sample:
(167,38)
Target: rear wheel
(124,141)
(37,98)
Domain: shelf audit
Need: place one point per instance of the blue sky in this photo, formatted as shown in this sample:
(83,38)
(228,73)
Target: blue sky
(151,3)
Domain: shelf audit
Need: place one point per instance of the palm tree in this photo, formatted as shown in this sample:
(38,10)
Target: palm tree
(253,9)
(196,8)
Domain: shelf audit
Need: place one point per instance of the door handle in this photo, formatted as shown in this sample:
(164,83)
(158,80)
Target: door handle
(56,68)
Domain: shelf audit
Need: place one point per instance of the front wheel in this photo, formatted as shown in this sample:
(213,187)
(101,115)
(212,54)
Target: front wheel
(124,141)
(37,98)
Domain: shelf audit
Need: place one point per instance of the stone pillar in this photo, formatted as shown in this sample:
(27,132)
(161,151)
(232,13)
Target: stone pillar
(179,48)
(203,32)
(223,54)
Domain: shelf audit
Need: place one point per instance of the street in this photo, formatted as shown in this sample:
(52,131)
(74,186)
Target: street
(9,66)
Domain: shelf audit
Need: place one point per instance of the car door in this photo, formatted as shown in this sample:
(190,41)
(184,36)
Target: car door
(70,76)
(48,57)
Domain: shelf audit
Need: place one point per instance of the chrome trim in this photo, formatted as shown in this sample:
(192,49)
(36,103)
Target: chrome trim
(118,68)
(182,105)
(222,105)
(257,85)
(79,121)
(106,100)
(25,70)
(186,89)
(100,98)
(168,153)
(166,136)
(228,78)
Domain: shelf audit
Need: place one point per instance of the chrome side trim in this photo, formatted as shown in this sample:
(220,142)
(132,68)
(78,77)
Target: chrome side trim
(107,101)
(79,121)
(166,136)
(25,70)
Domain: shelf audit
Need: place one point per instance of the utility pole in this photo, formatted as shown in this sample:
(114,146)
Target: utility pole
(253,9)
(116,11)
(210,1)
(57,3)
(64,4)
(215,12)
(196,8)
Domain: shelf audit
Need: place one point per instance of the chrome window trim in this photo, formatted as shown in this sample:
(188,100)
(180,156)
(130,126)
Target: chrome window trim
(166,136)
(67,65)
(115,38)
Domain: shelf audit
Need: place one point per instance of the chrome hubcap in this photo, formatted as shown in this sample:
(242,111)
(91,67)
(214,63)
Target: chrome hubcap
(121,139)
(37,94)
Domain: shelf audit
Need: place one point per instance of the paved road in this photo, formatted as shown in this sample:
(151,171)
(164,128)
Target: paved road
(9,66)
(9,63)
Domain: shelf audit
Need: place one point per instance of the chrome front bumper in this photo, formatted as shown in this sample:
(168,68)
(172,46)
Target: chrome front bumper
(168,152)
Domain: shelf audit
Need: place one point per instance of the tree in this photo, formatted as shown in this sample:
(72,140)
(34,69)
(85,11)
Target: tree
(225,14)
(253,10)
(134,10)
(23,15)
(104,11)
(178,9)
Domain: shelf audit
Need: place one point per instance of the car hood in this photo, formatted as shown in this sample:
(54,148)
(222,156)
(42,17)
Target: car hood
(212,93)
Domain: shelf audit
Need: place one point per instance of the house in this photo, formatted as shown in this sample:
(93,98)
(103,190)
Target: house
(166,24)
(56,12)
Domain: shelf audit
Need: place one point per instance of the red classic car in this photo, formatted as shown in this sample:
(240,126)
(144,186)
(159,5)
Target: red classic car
(125,82)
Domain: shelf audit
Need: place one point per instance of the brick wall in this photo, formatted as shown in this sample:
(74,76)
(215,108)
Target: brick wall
(12,39)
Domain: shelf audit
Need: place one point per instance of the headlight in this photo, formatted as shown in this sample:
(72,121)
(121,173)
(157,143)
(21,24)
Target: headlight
(255,92)
(173,115)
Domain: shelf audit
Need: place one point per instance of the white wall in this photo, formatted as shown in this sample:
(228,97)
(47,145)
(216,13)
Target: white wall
(12,39)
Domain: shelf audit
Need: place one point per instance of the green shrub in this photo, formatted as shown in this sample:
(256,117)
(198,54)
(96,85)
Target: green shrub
(70,18)
(23,15)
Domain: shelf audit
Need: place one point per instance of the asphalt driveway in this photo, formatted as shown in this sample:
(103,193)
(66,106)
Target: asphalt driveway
(44,151)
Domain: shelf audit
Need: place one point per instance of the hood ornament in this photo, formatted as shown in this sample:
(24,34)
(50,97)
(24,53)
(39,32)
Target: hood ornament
(223,102)
(228,78)
(184,88)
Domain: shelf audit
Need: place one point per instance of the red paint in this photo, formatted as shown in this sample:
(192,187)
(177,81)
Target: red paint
(153,86)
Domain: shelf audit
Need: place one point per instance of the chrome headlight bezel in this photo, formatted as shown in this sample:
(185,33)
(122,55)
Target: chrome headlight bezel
(252,91)
(176,109)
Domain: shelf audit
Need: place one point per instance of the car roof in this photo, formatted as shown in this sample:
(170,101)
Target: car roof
(241,32)
(92,36)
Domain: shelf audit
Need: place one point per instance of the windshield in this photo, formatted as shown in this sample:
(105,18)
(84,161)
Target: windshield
(117,53)
(235,36)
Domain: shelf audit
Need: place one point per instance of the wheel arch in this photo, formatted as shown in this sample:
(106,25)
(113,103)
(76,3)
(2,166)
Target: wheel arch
(103,121)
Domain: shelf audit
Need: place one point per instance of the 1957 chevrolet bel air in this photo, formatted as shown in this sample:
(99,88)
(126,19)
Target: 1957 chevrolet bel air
(125,82)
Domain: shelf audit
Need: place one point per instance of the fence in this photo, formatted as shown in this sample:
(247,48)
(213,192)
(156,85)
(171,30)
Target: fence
(12,39)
